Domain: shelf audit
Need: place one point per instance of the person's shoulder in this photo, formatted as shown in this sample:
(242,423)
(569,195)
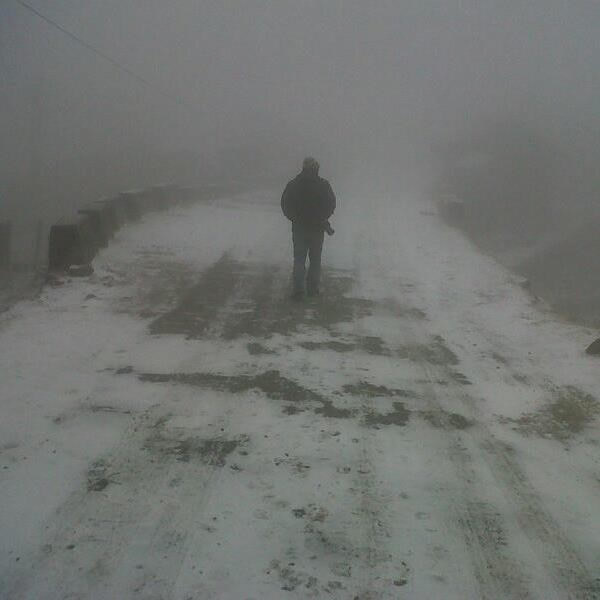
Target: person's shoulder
(290,183)
(324,183)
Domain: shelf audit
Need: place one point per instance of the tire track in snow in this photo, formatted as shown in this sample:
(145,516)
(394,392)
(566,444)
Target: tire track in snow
(182,522)
(497,573)
(383,573)
(130,536)
(562,563)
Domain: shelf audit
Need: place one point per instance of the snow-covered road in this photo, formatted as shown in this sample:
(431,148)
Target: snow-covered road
(175,428)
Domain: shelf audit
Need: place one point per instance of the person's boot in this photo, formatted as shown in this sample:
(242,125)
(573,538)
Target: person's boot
(297,297)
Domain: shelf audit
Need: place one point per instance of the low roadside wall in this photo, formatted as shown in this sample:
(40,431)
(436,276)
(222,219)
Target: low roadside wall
(5,232)
(76,239)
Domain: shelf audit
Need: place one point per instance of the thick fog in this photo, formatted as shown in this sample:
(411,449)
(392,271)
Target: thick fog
(388,95)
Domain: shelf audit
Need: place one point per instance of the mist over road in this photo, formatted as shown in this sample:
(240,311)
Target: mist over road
(174,427)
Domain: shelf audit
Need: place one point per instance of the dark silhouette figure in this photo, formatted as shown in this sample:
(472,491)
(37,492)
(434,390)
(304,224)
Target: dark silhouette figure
(308,201)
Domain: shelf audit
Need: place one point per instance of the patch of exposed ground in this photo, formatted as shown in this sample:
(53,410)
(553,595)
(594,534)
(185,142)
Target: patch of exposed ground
(398,416)
(184,448)
(292,578)
(249,315)
(330,411)
(374,345)
(271,383)
(445,420)
(199,305)
(293,463)
(369,344)
(312,512)
(369,390)
(520,378)
(459,378)
(500,359)
(486,539)
(333,345)
(98,478)
(569,413)
(435,353)
(159,282)
(256,349)
(402,311)
(268,311)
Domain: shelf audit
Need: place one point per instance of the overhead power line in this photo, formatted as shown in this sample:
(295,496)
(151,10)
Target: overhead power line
(116,64)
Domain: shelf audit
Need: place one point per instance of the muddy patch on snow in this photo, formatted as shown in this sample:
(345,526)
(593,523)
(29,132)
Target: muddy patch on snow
(175,444)
(271,383)
(312,512)
(499,358)
(293,463)
(374,345)
(327,409)
(402,311)
(332,345)
(292,578)
(398,416)
(486,539)
(436,353)
(569,413)
(260,308)
(158,281)
(250,315)
(521,378)
(460,378)
(98,477)
(198,306)
(368,344)
(256,349)
(267,310)
(336,306)
(440,419)
(370,390)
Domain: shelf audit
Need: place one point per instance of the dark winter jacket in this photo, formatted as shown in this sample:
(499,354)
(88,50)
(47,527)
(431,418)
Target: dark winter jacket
(308,201)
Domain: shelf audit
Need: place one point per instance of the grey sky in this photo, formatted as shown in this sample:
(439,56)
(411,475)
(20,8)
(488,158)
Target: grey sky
(350,80)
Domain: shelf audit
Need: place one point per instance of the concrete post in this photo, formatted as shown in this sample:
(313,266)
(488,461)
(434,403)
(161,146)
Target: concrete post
(39,235)
(72,242)
(100,222)
(5,231)
(130,203)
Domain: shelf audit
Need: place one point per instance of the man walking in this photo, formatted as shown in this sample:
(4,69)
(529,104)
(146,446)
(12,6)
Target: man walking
(308,201)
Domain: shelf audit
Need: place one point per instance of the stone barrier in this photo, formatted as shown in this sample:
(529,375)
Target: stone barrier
(146,200)
(182,196)
(130,203)
(100,223)
(120,208)
(158,198)
(5,234)
(187,195)
(453,211)
(72,242)
(75,240)
(110,210)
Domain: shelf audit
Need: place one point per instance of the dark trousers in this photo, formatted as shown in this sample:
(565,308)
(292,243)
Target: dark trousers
(307,241)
